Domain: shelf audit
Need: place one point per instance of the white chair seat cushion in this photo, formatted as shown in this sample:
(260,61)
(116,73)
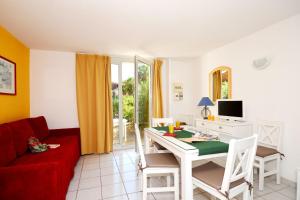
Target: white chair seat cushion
(265,151)
(161,160)
(212,174)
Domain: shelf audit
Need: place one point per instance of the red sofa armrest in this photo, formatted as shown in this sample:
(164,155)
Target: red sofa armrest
(65,131)
(31,181)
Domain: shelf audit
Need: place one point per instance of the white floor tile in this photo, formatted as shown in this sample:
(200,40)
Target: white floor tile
(113,190)
(130,176)
(202,196)
(111,179)
(107,159)
(123,197)
(289,192)
(104,164)
(73,185)
(275,186)
(91,161)
(89,183)
(71,195)
(76,176)
(133,186)
(109,170)
(115,177)
(123,161)
(275,196)
(139,196)
(127,168)
(89,194)
(90,166)
(90,173)
(258,193)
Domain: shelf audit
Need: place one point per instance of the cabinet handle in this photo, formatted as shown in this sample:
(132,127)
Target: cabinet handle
(220,127)
(202,124)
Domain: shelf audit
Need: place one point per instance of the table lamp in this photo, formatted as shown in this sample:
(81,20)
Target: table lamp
(205,101)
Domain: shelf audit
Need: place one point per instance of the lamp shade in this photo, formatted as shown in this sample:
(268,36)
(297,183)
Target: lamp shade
(205,101)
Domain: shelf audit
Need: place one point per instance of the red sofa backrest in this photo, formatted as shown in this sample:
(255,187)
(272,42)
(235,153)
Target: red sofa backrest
(14,137)
(7,148)
(40,127)
(21,131)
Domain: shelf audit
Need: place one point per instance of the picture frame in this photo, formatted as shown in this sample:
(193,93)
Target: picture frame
(8,82)
(178,91)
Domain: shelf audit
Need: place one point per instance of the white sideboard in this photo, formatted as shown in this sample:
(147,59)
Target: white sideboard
(226,130)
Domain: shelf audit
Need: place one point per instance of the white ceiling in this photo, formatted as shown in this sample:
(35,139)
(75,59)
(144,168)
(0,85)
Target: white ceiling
(164,28)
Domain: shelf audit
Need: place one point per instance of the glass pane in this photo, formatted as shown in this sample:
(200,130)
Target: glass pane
(128,103)
(143,95)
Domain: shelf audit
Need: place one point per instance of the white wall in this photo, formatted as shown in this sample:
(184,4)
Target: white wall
(185,71)
(273,93)
(53,87)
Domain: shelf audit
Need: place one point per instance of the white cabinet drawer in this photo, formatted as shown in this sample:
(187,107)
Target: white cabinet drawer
(222,128)
(201,124)
(225,130)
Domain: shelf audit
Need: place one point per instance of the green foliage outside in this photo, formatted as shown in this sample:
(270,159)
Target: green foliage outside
(128,98)
(224,89)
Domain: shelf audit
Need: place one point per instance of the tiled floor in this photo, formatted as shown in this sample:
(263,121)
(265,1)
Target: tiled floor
(114,177)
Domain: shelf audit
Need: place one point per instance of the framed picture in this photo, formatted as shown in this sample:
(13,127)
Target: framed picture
(7,76)
(178,91)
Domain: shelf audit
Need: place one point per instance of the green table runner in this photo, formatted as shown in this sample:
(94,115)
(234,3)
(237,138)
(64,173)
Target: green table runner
(205,147)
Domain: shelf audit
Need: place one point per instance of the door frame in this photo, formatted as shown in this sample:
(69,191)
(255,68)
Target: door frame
(118,61)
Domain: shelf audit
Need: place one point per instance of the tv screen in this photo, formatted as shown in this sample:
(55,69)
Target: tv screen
(230,108)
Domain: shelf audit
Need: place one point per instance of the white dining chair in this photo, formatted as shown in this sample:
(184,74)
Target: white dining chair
(268,150)
(157,164)
(158,122)
(236,178)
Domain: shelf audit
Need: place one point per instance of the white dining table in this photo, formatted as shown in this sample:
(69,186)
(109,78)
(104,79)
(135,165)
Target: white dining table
(187,154)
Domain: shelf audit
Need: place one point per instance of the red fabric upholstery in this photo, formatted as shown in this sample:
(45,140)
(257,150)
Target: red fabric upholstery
(22,131)
(43,175)
(40,127)
(7,149)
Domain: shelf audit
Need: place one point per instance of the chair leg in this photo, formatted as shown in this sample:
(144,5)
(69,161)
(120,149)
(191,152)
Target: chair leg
(144,186)
(278,170)
(261,174)
(176,185)
(246,195)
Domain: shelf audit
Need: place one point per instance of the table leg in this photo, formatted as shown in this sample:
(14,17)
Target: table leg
(186,178)
(147,142)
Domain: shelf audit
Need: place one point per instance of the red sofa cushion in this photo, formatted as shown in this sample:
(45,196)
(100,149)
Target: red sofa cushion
(21,132)
(66,157)
(7,149)
(40,127)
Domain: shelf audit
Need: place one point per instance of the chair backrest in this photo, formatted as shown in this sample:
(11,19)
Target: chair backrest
(269,133)
(157,122)
(140,145)
(240,161)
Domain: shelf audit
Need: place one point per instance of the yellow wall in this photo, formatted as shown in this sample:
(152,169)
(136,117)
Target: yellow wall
(15,107)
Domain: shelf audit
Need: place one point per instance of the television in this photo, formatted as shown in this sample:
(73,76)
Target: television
(230,109)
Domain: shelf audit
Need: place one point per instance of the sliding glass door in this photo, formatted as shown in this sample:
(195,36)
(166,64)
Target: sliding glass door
(143,93)
(131,99)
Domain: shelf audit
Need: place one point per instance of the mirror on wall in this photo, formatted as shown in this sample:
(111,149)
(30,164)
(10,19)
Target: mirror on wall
(220,83)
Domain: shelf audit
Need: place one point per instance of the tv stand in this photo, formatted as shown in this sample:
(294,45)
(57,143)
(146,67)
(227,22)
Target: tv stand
(225,129)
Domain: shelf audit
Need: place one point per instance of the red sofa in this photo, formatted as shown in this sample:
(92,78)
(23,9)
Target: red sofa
(36,176)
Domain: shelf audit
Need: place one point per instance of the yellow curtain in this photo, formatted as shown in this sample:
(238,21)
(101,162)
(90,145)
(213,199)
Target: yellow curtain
(93,84)
(216,85)
(157,100)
